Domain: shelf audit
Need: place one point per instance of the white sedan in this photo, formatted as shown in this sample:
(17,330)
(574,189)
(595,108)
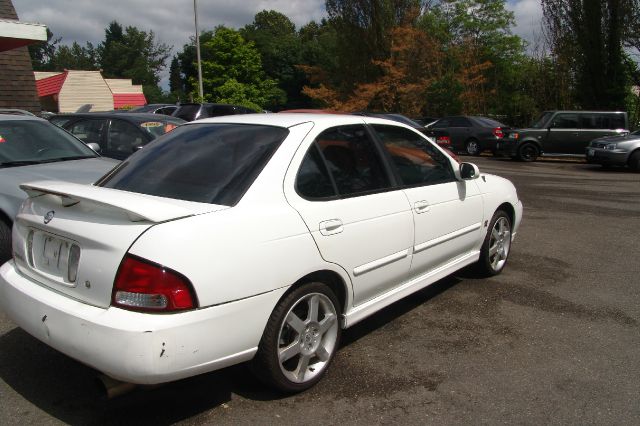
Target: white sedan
(254,237)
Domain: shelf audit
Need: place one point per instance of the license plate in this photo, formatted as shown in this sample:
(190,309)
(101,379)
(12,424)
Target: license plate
(591,152)
(50,254)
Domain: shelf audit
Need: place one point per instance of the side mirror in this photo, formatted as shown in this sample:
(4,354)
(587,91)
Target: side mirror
(468,171)
(94,146)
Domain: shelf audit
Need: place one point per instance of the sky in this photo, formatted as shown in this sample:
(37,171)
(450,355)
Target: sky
(172,20)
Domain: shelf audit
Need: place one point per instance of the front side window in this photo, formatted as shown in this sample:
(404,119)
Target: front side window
(207,163)
(88,130)
(124,138)
(565,121)
(416,160)
(352,160)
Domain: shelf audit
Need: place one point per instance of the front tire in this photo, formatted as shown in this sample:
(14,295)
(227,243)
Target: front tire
(528,152)
(300,339)
(5,242)
(496,245)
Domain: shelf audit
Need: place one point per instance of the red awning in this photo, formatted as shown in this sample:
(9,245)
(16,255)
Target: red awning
(128,99)
(50,85)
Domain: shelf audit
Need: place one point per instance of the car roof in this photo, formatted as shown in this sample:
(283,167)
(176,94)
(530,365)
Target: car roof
(129,116)
(293,119)
(20,117)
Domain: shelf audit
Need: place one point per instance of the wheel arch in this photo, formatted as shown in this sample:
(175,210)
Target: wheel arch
(509,210)
(532,141)
(332,279)
(628,156)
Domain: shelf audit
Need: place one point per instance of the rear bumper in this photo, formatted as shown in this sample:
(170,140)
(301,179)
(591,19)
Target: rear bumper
(137,347)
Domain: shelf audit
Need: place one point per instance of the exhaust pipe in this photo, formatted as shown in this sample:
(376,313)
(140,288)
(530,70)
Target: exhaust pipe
(115,388)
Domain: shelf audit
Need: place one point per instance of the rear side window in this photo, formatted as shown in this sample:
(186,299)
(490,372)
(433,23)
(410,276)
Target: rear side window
(460,122)
(416,160)
(601,121)
(342,161)
(207,163)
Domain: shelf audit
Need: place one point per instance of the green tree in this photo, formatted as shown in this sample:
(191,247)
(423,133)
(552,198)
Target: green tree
(132,53)
(275,37)
(232,72)
(42,53)
(590,36)
(362,29)
(74,57)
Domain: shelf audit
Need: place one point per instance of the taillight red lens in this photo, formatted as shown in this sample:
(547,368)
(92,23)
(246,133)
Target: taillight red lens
(443,140)
(498,133)
(141,285)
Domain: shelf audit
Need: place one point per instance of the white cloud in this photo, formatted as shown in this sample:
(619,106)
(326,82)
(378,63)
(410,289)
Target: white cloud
(528,17)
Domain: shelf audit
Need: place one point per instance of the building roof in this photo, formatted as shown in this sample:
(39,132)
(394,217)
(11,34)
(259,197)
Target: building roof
(14,34)
(128,99)
(51,85)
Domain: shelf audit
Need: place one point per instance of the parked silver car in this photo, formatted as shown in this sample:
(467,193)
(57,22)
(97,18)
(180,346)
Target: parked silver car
(34,149)
(616,151)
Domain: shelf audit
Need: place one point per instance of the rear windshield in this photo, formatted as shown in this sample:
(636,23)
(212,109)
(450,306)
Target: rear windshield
(206,163)
(187,112)
(487,122)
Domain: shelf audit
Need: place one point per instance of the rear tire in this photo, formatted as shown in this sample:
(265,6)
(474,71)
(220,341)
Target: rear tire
(5,242)
(528,152)
(634,161)
(496,246)
(300,339)
(473,147)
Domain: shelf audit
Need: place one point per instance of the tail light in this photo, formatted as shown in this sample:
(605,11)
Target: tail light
(141,285)
(443,140)
(498,133)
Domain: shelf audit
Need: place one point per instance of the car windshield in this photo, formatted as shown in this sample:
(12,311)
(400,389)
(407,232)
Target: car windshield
(636,133)
(24,142)
(541,121)
(207,163)
(157,128)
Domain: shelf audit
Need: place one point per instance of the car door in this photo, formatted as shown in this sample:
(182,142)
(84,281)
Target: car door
(447,213)
(460,131)
(346,196)
(563,133)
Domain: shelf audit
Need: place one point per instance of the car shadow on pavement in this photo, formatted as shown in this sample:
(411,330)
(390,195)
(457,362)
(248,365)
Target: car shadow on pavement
(70,391)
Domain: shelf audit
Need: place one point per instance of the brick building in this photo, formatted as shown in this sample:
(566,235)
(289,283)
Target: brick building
(17,83)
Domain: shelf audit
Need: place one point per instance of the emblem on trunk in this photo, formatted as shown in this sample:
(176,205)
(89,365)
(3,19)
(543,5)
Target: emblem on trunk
(49,216)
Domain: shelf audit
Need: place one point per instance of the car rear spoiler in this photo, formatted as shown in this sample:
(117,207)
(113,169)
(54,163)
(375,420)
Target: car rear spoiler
(137,207)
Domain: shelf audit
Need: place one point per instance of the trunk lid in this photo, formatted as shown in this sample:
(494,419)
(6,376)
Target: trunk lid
(72,238)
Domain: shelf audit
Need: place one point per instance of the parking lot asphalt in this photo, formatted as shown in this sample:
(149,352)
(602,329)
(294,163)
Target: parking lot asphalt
(554,339)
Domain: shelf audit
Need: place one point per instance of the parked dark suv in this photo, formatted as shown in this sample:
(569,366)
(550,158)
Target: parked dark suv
(190,112)
(562,133)
(468,134)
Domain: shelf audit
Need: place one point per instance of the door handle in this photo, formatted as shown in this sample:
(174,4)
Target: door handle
(421,206)
(331,227)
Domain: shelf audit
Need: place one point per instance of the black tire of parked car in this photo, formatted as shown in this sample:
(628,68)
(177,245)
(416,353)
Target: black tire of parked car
(5,242)
(472,147)
(266,363)
(483,267)
(528,152)
(634,161)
